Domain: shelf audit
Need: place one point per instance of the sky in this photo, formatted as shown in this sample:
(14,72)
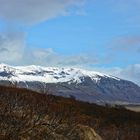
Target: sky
(92,34)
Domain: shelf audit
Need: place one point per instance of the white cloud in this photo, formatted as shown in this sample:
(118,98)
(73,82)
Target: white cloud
(11,46)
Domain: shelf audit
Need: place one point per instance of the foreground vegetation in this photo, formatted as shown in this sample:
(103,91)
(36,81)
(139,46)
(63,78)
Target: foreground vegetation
(28,115)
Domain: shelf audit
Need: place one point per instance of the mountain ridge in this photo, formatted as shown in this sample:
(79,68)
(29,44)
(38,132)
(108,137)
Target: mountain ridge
(82,84)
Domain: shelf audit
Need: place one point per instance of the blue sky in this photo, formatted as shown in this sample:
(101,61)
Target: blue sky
(94,34)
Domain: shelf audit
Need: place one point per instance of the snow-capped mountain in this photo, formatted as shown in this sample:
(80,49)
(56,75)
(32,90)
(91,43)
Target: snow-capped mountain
(82,84)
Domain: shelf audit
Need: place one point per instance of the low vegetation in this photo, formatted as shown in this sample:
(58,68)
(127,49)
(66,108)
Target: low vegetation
(28,115)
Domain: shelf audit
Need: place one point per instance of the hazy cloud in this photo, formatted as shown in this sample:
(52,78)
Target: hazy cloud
(131,72)
(123,49)
(126,43)
(34,11)
(49,57)
(12,45)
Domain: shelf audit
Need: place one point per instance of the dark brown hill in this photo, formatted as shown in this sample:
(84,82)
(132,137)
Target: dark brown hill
(28,115)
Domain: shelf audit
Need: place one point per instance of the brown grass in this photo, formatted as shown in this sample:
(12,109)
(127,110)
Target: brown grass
(25,114)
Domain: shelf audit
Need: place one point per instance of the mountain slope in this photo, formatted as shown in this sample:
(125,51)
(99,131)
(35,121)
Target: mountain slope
(82,84)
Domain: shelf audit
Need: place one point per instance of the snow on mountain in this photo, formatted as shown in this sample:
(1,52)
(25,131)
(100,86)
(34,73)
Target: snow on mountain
(48,74)
(82,84)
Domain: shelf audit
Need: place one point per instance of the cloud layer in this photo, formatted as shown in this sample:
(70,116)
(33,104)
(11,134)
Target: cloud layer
(34,11)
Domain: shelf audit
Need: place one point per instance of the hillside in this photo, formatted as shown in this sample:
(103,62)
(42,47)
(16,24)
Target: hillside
(26,114)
